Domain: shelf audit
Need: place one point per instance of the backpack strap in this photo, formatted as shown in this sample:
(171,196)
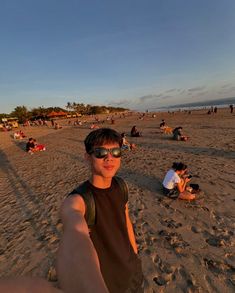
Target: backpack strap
(86,194)
(123,186)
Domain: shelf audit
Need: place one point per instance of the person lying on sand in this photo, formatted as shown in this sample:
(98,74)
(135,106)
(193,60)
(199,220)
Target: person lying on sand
(178,135)
(175,183)
(38,147)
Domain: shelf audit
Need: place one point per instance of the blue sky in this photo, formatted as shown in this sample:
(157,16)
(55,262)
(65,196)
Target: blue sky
(139,54)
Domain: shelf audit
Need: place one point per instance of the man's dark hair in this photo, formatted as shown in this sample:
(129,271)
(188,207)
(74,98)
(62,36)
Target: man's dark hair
(102,136)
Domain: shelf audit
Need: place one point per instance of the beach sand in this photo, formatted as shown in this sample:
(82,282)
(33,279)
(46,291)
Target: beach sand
(184,246)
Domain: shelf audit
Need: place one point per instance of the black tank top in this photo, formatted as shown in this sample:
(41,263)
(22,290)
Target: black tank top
(118,262)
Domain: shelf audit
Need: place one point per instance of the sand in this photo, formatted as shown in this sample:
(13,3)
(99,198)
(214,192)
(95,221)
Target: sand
(184,246)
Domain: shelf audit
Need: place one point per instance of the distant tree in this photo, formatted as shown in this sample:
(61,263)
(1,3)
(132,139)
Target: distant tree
(38,112)
(89,109)
(69,106)
(3,115)
(21,112)
(98,110)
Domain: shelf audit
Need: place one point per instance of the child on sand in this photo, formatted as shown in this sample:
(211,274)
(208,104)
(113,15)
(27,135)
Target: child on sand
(175,183)
(102,257)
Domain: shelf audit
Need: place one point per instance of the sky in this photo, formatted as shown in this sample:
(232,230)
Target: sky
(138,54)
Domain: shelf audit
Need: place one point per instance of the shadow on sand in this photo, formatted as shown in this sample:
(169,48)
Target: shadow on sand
(28,203)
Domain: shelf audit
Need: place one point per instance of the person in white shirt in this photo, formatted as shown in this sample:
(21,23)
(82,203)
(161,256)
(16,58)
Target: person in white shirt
(175,183)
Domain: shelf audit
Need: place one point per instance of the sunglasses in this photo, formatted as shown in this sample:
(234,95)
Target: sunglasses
(101,152)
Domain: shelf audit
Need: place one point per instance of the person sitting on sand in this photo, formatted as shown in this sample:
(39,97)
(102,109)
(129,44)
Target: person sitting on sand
(32,146)
(135,132)
(125,144)
(17,135)
(162,124)
(94,126)
(57,126)
(22,134)
(175,183)
(178,135)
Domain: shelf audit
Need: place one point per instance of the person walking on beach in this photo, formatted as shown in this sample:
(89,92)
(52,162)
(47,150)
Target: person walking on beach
(231,109)
(99,255)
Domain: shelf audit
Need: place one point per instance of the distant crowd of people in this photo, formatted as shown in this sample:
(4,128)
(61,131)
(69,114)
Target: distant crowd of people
(19,135)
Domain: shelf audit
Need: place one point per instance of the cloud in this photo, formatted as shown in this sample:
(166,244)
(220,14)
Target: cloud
(227,90)
(149,97)
(226,85)
(201,93)
(170,91)
(120,103)
(146,98)
(195,89)
(165,97)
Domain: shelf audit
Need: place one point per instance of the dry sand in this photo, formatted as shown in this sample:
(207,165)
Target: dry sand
(184,246)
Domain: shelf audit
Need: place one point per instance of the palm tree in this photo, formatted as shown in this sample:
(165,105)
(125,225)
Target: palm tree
(69,106)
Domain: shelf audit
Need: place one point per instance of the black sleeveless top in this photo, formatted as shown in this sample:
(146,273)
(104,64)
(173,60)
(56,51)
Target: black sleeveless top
(118,262)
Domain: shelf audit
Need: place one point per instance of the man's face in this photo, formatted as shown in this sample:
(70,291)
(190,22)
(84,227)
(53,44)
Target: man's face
(105,167)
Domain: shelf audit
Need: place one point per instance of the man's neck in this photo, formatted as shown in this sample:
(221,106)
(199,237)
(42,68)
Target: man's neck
(100,182)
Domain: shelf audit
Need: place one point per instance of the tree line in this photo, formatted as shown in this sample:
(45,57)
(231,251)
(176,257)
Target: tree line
(23,113)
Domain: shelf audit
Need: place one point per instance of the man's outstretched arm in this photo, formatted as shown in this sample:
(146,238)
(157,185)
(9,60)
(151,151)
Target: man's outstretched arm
(77,263)
(130,231)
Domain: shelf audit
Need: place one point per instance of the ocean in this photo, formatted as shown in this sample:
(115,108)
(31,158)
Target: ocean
(220,103)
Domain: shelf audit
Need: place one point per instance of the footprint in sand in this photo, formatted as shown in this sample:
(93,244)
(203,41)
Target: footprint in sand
(165,272)
(162,280)
(218,267)
(174,239)
(219,237)
(192,287)
(170,223)
(196,229)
